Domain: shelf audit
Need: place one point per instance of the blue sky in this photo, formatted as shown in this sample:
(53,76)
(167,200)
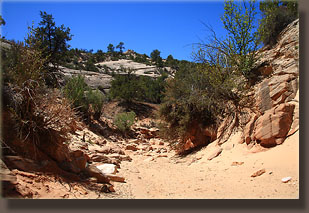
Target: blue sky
(170,27)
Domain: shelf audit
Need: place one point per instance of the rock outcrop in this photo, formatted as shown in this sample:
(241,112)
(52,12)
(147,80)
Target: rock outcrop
(198,136)
(276,102)
(274,112)
(102,79)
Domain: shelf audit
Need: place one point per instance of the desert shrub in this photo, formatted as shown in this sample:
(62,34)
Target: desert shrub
(95,99)
(152,89)
(20,63)
(130,87)
(36,111)
(199,93)
(90,66)
(276,15)
(83,97)
(238,51)
(124,121)
(123,87)
(215,86)
(74,90)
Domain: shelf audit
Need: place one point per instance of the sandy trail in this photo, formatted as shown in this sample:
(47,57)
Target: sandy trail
(196,177)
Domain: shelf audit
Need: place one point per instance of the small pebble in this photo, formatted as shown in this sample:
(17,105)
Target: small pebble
(286,179)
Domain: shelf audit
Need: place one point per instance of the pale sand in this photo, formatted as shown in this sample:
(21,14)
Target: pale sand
(196,177)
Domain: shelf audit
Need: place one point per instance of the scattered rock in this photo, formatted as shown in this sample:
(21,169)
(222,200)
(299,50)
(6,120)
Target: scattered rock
(237,163)
(248,130)
(120,157)
(134,170)
(131,147)
(150,148)
(215,153)
(107,188)
(107,168)
(258,173)
(93,171)
(286,179)
(116,178)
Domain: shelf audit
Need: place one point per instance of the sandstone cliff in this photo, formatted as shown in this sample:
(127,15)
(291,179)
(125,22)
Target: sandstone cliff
(276,109)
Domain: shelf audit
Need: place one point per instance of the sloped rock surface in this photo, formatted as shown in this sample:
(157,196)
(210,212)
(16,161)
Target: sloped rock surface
(102,80)
(277,114)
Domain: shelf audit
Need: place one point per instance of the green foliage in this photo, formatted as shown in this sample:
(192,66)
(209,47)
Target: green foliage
(100,56)
(152,89)
(242,42)
(52,42)
(110,48)
(155,57)
(276,15)
(124,87)
(124,121)
(83,97)
(171,62)
(120,47)
(207,91)
(21,64)
(74,90)
(130,87)
(2,22)
(35,120)
(90,66)
(95,99)
(198,93)
(52,39)
(141,59)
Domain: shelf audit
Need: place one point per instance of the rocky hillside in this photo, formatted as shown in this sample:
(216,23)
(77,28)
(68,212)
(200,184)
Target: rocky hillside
(274,111)
(95,160)
(102,79)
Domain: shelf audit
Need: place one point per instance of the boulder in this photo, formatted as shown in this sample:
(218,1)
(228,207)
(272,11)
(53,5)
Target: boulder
(149,133)
(107,168)
(93,171)
(131,147)
(274,125)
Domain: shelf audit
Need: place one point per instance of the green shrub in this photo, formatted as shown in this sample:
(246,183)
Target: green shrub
(276,15)
(37,115)
(95,99)
(74,90)
(90,66)
(21,64)
(124,121)
(83,97)
(198,93)
(130,87)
